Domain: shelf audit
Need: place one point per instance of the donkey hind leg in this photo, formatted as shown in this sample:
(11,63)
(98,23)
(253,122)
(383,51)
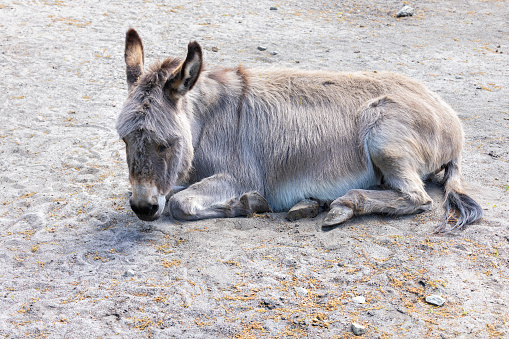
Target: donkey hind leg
(215,197)
(359,202)
(396,157)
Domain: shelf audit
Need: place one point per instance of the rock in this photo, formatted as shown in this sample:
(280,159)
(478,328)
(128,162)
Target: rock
(128,274)
(215,49)
(301,291)
(358,329)
(435,300)
(273,8)
(269,304)
(262,48)
(303,209)
(359,300)
(273,53)
(405,11)
(301,322)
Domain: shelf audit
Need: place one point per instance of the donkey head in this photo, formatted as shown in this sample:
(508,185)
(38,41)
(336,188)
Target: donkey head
(155,125)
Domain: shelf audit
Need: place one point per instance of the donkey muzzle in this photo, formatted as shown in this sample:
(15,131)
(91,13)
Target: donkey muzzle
(147,203)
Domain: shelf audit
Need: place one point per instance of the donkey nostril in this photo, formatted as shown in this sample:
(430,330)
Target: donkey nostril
(154,209)
(145,209)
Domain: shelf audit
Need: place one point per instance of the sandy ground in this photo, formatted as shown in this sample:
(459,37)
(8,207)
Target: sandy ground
(76,262)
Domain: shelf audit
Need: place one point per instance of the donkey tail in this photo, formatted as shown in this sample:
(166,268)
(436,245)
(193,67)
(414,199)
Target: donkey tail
(468,211)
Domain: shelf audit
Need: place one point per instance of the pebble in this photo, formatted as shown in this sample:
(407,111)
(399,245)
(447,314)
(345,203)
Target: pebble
(273,8)
(358,329)
(269,303)
(359,299)
(215,49)
(435,300)
(301,291)
(262,48)
(128,274)
(405,11)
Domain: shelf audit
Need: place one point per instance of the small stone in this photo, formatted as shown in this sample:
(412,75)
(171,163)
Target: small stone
(358,329)
(303,209)
(405,11)
(128,274)
(301,291)
(273,8)
(262,48)
(359,300)
(215,49)
(435,300)
(269,303)
(273,53)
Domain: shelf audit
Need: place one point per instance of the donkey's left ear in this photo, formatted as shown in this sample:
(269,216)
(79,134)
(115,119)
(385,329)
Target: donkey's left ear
(188,72)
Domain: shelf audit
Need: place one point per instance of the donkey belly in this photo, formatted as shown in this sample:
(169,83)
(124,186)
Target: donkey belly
(286,194)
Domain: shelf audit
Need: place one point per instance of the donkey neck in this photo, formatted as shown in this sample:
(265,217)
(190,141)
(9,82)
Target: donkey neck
(216,98)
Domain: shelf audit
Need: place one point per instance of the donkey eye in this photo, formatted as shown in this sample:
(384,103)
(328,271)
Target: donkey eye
(161,148)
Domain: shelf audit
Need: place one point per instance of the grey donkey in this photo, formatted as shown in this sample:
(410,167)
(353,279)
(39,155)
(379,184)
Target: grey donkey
(241,141)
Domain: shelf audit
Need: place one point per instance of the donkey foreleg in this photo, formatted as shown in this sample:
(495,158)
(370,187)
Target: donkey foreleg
(215,197)
(359,202)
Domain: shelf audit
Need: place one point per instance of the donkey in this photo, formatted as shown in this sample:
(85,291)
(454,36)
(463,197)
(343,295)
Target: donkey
(243,141)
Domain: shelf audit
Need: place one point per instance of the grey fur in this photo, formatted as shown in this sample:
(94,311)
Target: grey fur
(247,140)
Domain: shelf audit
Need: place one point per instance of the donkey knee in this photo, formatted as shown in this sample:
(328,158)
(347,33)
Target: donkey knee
(182,208)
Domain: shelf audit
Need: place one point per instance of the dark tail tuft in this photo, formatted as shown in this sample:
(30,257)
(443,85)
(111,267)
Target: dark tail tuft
(469,211)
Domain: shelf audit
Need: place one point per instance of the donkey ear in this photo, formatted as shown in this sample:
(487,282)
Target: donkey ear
(188,72)
(134,56)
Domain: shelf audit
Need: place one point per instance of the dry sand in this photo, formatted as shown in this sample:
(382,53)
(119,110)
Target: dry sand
(76,262)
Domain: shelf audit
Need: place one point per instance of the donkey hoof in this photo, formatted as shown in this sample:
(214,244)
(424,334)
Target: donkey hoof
(255,203)
(337,215)
(303,209)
